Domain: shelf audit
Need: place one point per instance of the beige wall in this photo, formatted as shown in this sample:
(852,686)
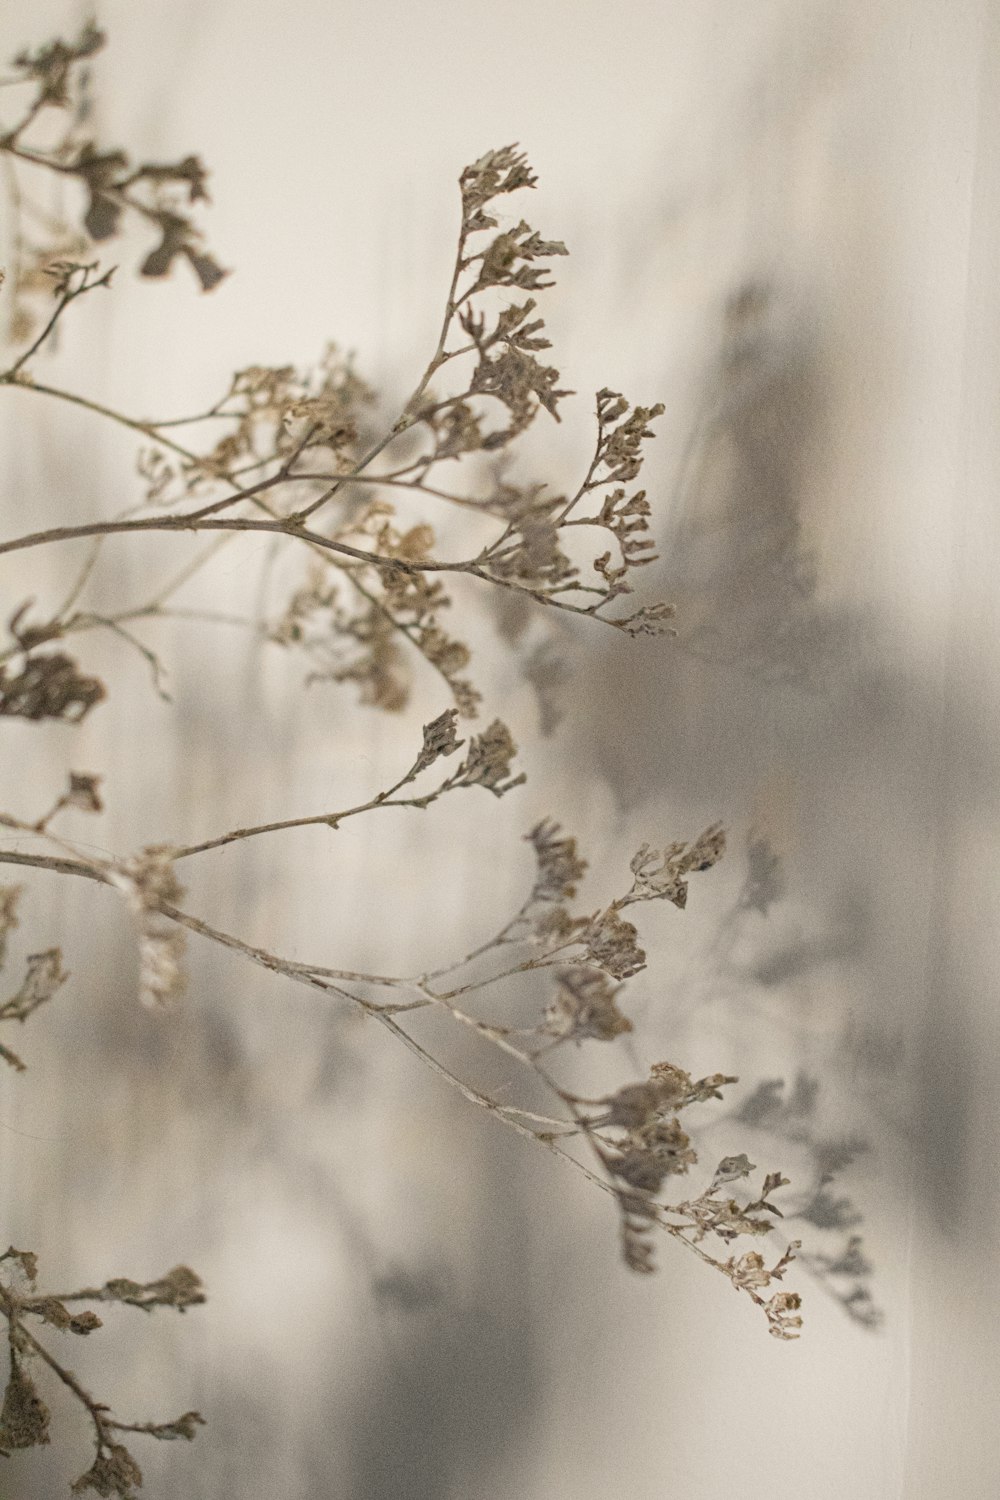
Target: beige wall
(831,540)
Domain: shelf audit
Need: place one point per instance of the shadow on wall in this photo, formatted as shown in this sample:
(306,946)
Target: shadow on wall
(786,715)
(739,568)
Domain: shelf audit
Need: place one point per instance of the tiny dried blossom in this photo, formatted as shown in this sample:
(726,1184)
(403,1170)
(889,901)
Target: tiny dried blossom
(611,943)
(84,792)
(667,1090)
(725,1217)
(782,1315)
(732,1169)
(651,619)
(362,646)
(488,761)
(10,895)
(24,1265)
(148,882)
(584,1006)
(504,170)
(455,430)
(749,1273)
(748,1270)
(517,379)
(536,560)
(185,1426)
(113,1472)
(24,1417)
(440,739)
(281,411)
(680,1089)
(506,367)
(498,265)
(660,874)
(32,279)
(621,436)
(651,1152)
(45,975)
(49,686)
(559,865)
(651,1146)
(58,1315)
(180,1288)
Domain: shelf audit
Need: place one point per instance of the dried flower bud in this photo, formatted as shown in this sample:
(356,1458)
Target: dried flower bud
(24,1419)
(780,1310)
(148,881)
(83,792)
(440,739)
(488,761)
(9,897)
(49,686)
(612,946)
(584,1006)
(559,865)
(113,1472)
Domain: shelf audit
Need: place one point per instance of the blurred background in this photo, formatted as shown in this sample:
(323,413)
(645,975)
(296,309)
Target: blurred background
(782,221)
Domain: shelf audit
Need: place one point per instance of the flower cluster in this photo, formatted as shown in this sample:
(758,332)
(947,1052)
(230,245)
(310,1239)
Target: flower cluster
(25,1417)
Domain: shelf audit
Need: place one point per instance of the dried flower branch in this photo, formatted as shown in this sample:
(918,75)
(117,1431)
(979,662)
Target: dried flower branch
(44,976)
(635,1137)
(304,457)
(25,1417)
(49,686)
(280,418)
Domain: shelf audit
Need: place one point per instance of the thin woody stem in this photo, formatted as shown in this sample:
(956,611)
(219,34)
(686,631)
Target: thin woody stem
(406,419)
(330,819)
(222,523)
(69,295)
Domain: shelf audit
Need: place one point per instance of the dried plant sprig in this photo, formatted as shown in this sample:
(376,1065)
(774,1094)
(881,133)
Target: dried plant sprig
(149,883)
(10,896)
(44,976)
(25,1417)
(49,685)
(583,1006)
(634,1135)
(601,941)
(362,645)
(69,280)
(649,1147)
(280,418)
(487,764)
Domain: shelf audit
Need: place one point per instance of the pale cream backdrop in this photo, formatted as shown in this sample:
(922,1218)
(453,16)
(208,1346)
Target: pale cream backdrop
(783,222)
